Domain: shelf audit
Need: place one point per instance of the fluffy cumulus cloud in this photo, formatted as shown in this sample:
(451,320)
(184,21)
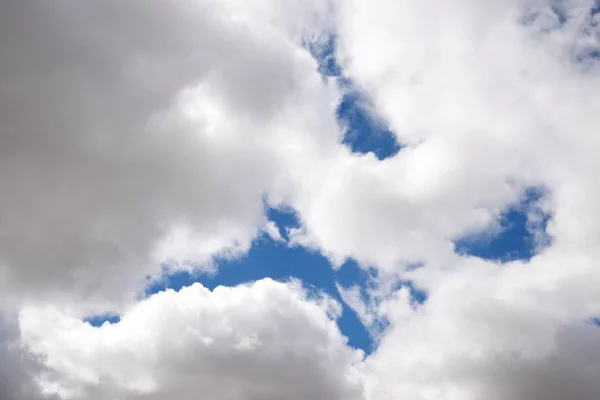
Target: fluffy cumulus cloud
(142,138)
(265,340)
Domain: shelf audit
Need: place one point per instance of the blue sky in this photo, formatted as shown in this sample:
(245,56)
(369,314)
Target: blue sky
(518,238)
(271,259)
(364,133)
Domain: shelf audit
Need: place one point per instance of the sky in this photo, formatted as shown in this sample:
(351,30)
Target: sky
(325,199)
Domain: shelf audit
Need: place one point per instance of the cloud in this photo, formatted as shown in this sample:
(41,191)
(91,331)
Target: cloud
(488,101)
(521,331)
(135,134)
(272,230)
(18,369)
(264,340)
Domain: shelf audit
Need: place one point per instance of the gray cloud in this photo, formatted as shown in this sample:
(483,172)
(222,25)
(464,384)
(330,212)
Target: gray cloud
(123,123)
(18,368)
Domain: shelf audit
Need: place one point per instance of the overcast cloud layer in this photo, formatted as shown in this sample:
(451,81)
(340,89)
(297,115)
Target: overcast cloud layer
(142,138)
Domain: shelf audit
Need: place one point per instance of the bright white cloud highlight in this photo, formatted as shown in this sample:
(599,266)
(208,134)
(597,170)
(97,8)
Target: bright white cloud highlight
(265,340)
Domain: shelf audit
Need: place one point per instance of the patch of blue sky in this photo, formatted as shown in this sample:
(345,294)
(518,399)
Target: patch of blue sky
(521,235)
(272,259)
(364,131)
(268,258)
(418,296)
(99,320)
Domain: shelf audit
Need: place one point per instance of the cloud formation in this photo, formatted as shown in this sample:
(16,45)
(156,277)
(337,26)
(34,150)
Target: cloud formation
(265,340)
(18,368)
(134,134)
(138,139)
(488,99)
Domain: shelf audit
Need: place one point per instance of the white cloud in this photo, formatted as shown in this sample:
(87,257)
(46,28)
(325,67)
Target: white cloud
(489,98)
(271,229)
(266,340)
(521,332)
(485,105)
